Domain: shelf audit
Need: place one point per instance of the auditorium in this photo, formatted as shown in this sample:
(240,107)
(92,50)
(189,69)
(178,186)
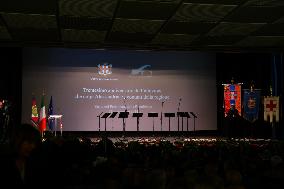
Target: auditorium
(134,94)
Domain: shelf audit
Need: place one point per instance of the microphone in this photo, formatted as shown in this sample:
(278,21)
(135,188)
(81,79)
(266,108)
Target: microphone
(179,103)
(125,104)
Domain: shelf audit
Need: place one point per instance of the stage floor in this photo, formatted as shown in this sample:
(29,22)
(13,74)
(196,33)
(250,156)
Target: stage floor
(210,133)
(179,139)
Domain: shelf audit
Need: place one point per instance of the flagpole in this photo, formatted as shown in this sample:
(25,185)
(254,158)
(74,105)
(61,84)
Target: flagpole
(41,110)
(42,121)
(272,123)
(55,127)
(61,128)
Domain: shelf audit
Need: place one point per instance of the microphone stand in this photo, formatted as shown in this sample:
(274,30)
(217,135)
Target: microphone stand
(138,120)
(123,119)
(178,111)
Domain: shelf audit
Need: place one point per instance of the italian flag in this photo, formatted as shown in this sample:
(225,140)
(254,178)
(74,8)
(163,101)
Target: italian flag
(42,117)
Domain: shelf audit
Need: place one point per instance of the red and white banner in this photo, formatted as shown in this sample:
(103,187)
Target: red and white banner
(271,108)
(232,97)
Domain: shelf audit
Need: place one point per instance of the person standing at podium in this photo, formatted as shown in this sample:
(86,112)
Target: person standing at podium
(233,121)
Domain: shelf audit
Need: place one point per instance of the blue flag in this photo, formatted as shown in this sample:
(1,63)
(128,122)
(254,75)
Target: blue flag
(51,122)
(251,102)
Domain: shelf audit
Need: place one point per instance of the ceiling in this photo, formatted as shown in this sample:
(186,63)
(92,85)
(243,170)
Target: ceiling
(144,24)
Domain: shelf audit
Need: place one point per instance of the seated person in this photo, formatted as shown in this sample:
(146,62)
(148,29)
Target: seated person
(15,164)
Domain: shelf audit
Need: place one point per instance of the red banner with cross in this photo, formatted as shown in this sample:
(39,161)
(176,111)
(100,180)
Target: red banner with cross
(271,108)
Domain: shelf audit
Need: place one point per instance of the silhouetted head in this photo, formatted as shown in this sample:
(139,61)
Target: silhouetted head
(26,138)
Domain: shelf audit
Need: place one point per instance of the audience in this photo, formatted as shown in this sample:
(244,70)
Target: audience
(80,163)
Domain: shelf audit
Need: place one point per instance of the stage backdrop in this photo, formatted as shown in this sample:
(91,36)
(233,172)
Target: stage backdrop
(85,83)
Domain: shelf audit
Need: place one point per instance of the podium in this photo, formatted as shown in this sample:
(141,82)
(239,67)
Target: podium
(182,115)
(137,115)
(187,117)
(123,115)
(194,116)
(105,117)
(169,115)
(56,118)
(112,116)
(153,115)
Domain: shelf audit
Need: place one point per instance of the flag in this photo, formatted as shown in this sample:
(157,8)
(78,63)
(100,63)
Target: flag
(42,117)
(251,103)
(271,108)
(50,112)
(34,116)
(232,97)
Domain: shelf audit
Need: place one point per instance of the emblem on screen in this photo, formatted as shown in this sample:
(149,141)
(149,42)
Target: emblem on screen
(104,69)
(142,71)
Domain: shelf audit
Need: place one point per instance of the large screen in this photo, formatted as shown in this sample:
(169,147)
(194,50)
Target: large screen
(87,83)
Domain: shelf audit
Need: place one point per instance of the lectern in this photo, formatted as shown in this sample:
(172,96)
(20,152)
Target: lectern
(56,118)
(153,115)
(194,116)
(105,117)
(187,117)
(169,115)
(112,116)
(137,115)
(123,115)
(182,115)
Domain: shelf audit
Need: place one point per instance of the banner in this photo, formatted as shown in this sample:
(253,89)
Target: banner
(251,101)
(271,108)
(232,97)
(34,116)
